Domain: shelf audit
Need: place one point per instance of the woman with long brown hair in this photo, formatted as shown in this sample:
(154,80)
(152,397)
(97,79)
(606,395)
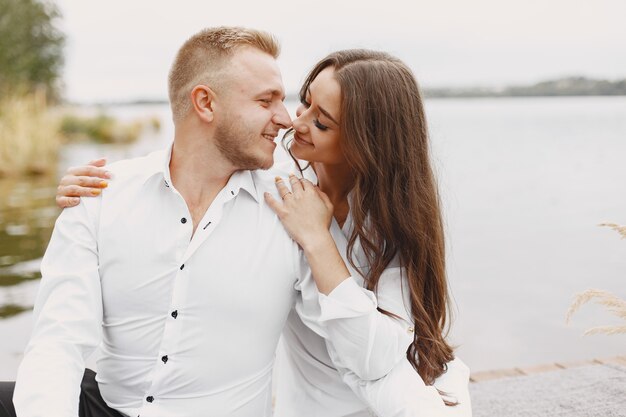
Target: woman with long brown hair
(366,213)
(361,126)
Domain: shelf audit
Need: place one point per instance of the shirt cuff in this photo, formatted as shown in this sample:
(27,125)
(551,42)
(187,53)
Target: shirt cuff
(346,300)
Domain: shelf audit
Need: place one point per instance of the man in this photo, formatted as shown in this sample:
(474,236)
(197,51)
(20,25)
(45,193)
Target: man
(179,273)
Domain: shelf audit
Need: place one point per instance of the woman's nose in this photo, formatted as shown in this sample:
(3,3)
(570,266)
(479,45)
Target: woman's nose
(299,124)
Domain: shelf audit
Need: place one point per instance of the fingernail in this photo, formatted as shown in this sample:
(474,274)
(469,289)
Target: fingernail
(278,179)
(75,201)
(95,192)
(104,184)
(108,175)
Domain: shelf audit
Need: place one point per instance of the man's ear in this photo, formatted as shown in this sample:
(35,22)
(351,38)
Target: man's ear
(203,100)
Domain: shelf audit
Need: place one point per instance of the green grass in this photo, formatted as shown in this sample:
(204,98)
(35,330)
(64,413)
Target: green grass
(11,310)
(101,129)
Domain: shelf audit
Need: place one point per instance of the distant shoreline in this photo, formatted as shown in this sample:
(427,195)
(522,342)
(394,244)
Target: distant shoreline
(562,87)
(428,95)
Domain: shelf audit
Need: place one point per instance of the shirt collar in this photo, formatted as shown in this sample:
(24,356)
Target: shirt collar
(243,180)
(239,180)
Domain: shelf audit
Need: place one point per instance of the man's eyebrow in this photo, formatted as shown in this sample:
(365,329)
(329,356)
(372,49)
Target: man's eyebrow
(273,92)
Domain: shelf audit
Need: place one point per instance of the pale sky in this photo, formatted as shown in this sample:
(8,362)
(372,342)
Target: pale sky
(122,49)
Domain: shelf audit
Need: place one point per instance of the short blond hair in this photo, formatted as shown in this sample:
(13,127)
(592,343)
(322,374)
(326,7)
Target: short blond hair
(202,58)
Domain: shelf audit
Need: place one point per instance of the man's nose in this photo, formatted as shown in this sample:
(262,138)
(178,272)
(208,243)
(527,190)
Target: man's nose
(281,116)
(300,110)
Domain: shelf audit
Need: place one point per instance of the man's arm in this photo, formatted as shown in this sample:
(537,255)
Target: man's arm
(68,317)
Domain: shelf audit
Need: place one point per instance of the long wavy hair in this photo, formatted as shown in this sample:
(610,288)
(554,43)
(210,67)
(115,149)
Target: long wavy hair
(395,204)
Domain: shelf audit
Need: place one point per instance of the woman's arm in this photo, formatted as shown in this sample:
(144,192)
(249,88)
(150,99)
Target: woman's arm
(306,213)
(370,343)
(402,393)
(364,340)
(82,181)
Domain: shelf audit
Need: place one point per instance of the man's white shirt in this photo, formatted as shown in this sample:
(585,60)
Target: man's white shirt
(186,326)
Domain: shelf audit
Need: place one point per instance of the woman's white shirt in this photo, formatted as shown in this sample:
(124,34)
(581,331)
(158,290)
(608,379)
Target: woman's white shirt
(357,366)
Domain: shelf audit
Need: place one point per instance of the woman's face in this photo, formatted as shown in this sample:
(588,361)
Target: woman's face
(316,129)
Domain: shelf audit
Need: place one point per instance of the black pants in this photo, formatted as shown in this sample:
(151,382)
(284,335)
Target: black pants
(91,402)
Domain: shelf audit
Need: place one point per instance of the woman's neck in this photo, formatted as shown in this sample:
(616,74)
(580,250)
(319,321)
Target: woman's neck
(336,181)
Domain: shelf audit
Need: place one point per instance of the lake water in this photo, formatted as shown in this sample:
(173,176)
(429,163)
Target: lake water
(525,182)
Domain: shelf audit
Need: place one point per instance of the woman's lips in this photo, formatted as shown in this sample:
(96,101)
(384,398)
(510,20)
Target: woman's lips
(301,141)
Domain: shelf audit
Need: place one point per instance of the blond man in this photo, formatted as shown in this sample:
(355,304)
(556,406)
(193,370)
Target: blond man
(173,274)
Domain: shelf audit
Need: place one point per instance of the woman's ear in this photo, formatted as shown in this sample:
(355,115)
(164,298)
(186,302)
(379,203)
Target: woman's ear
(203,100)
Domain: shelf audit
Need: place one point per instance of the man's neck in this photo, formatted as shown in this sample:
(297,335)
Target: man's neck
(198,172)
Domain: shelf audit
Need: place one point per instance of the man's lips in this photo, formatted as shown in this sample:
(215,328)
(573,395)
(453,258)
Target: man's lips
(270,136)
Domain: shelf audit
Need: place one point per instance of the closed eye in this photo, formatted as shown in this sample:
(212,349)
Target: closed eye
(316,122)
(319,125)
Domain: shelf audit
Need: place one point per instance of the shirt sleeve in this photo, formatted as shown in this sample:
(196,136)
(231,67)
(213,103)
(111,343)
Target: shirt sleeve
(68,317)
(402,393)
(360,337)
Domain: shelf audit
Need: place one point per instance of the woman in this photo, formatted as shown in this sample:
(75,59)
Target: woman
(361,126)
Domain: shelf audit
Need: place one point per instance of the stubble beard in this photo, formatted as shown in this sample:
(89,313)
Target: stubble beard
(234,145)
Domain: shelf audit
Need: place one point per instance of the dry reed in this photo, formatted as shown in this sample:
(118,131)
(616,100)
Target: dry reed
(613,304)
(101,128)
(29,138)
(618,228)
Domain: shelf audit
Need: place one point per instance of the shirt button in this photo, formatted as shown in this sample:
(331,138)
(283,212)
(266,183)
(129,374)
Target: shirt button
(182,267)
(175,313)
(183,220)
(164,358)
(149,398)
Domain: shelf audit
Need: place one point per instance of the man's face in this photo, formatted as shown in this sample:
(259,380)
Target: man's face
(252,112)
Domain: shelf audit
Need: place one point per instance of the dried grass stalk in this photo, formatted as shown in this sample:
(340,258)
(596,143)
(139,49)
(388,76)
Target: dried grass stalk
(29,140)
(608,330)
(618,228)
(614,304)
